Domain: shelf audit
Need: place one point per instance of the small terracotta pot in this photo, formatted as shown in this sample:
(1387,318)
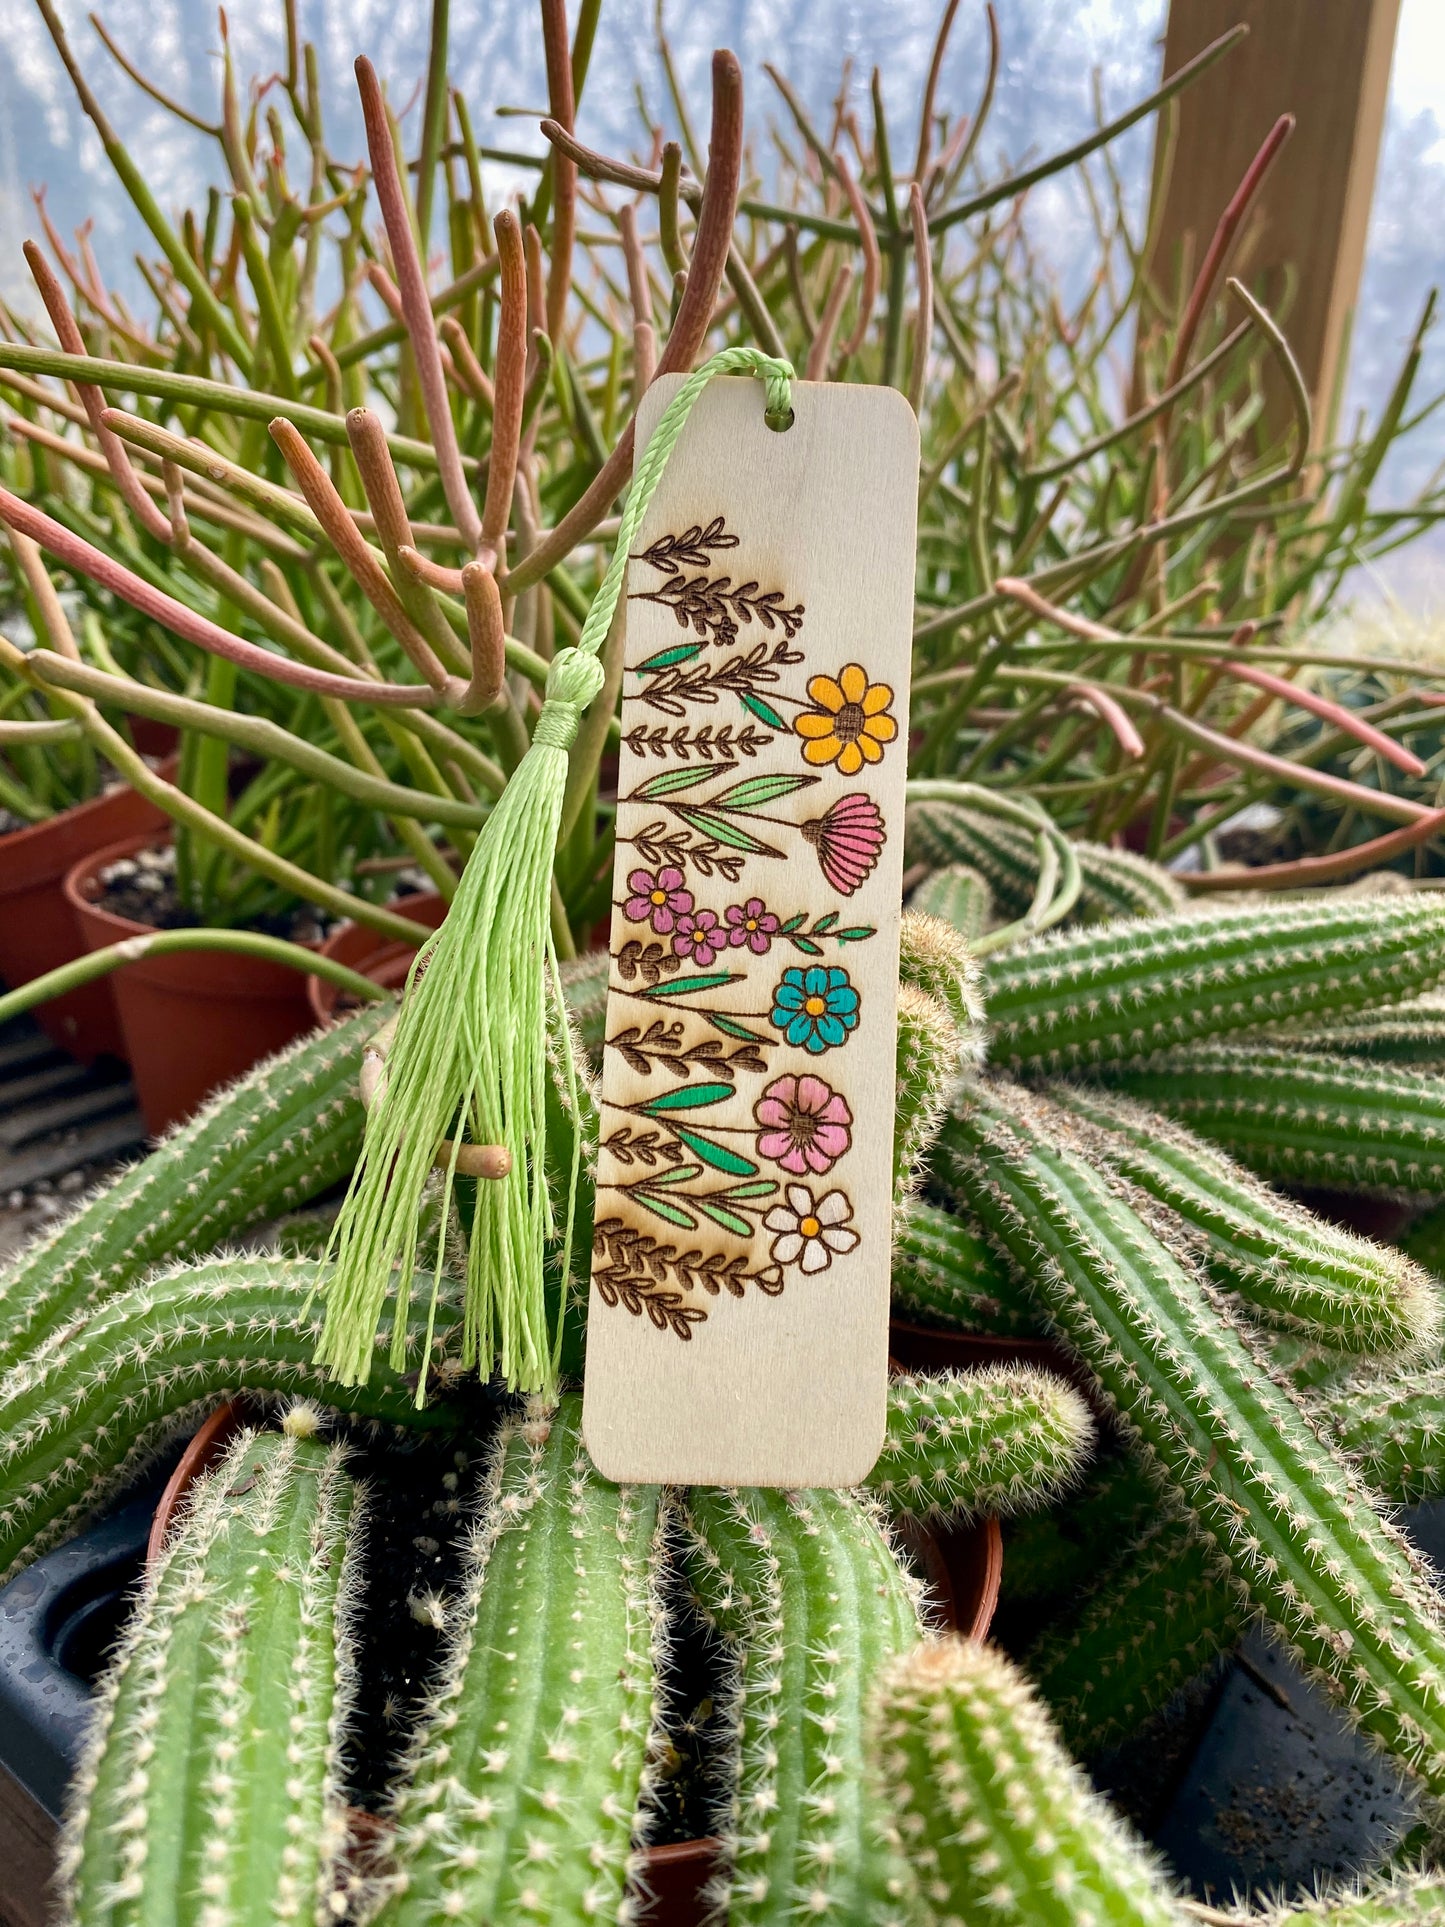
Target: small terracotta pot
(964,1565)
(191,1021)
(386,960)
(38,930)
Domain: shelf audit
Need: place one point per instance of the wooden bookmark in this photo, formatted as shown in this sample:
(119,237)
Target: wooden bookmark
(738,1325)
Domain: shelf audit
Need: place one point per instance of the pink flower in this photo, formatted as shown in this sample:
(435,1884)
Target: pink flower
(806,1124)
(848,840)
(751,923)
(698,937)
(657,899)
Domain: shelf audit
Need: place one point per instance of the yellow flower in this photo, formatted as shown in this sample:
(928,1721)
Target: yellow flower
(850,724)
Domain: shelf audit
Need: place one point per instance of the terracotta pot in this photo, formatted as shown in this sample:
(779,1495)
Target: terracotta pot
(386,960)
(964,1565)
(191,1021)
(38,930)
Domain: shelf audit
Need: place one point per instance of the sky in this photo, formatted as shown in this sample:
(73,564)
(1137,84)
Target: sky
(1051,47)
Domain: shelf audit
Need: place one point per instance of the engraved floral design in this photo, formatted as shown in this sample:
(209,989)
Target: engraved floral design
(815,1008)
(850,722)
(658,897)
(848,840)
(810,1231)
(753,924)
(699,937)
(807,1125)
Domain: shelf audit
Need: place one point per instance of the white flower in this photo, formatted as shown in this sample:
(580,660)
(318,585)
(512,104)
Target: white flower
(810,1230)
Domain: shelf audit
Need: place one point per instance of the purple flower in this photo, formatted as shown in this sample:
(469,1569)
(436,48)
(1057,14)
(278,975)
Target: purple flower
(658,899)
(751,923)
(698,937)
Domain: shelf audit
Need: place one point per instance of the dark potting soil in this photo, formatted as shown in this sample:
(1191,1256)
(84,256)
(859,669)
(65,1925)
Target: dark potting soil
(143,888)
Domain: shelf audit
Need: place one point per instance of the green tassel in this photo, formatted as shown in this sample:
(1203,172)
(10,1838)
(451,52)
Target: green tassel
(469,1060)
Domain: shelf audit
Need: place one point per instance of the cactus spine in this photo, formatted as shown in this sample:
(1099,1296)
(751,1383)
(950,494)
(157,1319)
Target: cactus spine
(1303,1540)
(80,1417)
(926,1077)
(1409,1033)
(1002,1441)
(521,1795)
(1052,1555)
(804,1587)
(1153,984)
(944,1273)
(934,958)
(209,1788)
(1153,1622)
(285,1132)
(1296,1272)
(1393,1426)
(995,1821)
(1323,1120)
(1115,882)
(959,896)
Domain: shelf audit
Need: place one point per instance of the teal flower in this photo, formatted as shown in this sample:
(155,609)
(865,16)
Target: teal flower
(815,1008)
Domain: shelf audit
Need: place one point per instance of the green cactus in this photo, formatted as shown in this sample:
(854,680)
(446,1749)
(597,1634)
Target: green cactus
(1409,1033)
(78,1418)
(209,1789)
(1392,1425)
(1296,1272)
(283,1133)
(927,1055)
(1424,1240)
(934,958)
(527,1782)
(1116,883)
(1304,1542)
(959,896)
(994,1821)
(1334,1121)
(807,1593)
(1055,1554)
(1410,1897)
(945,1274)
(1155,984)
(1002,1441)
(584,985)
(1156,1618)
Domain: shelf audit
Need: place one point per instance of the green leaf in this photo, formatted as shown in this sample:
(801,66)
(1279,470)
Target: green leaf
(668,782)
(787,929)
(731,835)
(856,932)
(679,1174)
(730,1027)
(758,1188)
(764,712)
(717,1155)
(825,924)
(754,791)
(687,1097)
(708,980)
(807,946)
(668,658)
(665,1209)
(719,1214)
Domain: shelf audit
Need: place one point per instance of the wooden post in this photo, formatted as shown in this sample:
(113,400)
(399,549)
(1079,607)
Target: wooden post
(1328,63)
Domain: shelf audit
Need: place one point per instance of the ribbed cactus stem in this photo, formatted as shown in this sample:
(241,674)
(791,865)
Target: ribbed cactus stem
(1336,1121)
(935,958)
(1155,983)
(209,1790)
(1410,1033)
(584,985)
(1413,1897)
(994,1820)
(1155,1619)
(1062,1552)
(526,1784)
(1116,883)
(804,1588)
(927,1075)
(1003,1440)
(1304,1542)
(286,1131)
(1392,1424)
(82,1415)
(945,1274)
(959,895)
(1296,1272)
